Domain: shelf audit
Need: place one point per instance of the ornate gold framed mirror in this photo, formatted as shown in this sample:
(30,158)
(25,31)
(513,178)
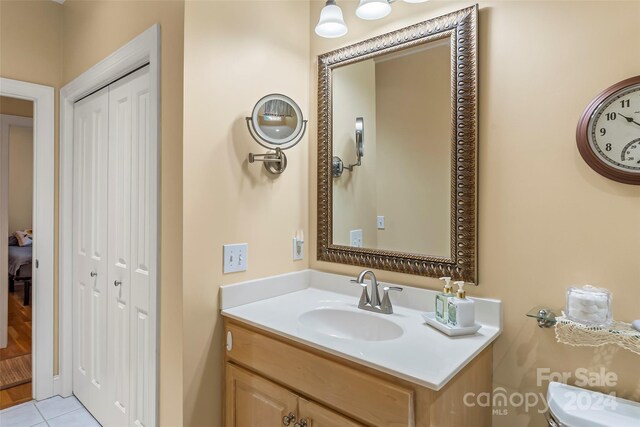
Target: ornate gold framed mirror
(410,205)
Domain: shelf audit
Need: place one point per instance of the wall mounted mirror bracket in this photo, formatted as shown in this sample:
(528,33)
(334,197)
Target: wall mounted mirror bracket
(277,124)
(337,165)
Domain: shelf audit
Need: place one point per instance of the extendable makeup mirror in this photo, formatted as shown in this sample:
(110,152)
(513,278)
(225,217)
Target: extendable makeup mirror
(276,123)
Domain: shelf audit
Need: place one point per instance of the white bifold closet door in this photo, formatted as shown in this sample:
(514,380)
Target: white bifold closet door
(111,203)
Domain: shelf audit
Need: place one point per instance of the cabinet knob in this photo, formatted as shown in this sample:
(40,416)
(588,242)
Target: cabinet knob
(93,274)
(302,423)
(286,420)
(117,283)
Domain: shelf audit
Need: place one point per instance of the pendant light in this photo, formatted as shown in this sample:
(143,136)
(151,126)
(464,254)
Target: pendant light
(373,9)
(331,23)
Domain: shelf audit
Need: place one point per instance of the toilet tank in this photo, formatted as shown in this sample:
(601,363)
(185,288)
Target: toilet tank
(576,407)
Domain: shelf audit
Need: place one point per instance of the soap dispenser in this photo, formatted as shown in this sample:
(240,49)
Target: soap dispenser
(441,300)
(461,310)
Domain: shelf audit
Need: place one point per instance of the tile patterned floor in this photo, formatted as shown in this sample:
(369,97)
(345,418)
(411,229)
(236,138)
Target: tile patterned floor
(53,412)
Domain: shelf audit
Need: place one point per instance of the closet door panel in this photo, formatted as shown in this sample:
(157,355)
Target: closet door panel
(90,249)
(120,135)
(129,249)
(142,370)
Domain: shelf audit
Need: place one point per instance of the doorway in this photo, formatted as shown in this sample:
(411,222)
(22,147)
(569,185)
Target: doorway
(16,174)
(26,159)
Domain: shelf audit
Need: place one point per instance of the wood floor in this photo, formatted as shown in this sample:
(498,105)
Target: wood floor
(19,343)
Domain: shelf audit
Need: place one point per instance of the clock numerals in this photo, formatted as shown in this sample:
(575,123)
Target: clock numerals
(603,131)
(611,116)
(607,147)
(624,103)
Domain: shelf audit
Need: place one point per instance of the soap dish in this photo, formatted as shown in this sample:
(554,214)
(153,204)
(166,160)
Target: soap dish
(452,331)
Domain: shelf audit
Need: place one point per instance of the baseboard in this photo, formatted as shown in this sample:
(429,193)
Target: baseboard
(57,387)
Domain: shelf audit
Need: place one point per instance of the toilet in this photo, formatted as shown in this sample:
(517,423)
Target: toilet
(571,406)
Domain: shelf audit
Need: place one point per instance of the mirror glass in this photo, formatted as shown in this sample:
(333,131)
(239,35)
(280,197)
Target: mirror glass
(277,119)
(399,198)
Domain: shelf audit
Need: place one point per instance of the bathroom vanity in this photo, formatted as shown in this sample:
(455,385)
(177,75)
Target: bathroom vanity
(299,352)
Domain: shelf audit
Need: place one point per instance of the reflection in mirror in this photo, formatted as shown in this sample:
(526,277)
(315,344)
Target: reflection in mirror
(277,120)
(338,165)
(400,198)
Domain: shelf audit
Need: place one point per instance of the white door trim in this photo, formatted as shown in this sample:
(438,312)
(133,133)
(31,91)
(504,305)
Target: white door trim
(143,49)
(7,121)
(43,247)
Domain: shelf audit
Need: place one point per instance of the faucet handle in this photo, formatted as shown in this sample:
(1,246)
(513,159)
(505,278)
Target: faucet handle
(364,297)
(386,306)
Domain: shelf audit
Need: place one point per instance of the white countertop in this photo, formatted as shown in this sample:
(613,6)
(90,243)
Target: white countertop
(422,355)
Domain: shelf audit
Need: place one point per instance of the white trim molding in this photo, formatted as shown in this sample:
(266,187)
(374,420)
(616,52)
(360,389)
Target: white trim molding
(144,49)
(43,224)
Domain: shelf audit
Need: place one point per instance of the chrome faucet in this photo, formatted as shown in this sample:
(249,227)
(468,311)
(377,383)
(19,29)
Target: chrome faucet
(370,301)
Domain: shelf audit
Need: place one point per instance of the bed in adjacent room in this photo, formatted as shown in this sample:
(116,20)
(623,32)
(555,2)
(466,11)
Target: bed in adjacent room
(20,267)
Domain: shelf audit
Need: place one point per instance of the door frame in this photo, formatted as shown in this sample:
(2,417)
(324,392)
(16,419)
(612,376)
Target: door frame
(42,334)
(144,49)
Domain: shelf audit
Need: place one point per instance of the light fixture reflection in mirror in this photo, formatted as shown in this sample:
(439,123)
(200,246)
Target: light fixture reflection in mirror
(338,166)
(276,123)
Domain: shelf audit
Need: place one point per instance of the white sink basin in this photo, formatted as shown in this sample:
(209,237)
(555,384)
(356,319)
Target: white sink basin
(352,325)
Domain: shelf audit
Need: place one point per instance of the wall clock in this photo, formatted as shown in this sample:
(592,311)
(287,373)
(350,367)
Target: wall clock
(608,133)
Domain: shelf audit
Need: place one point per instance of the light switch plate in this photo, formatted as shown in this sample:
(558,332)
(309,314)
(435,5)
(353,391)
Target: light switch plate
(380,222)
(355,238)
(235,257)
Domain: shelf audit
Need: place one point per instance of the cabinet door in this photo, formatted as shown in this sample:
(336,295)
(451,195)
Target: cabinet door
(252,401)
(319,416)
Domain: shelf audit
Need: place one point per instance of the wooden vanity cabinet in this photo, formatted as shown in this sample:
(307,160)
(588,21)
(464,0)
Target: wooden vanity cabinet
(253,401)
(268,377)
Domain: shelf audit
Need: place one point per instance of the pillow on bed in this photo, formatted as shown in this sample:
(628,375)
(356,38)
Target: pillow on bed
(13,241)
(23,238)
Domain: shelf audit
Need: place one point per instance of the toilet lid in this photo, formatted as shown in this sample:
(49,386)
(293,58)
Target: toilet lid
(577,407)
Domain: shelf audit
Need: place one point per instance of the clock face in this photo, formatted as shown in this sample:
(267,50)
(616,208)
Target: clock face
(608,133)
(614,130)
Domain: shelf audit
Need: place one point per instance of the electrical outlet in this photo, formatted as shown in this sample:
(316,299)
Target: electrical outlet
(380,222)
(355,237)
(235,257)
(298,250)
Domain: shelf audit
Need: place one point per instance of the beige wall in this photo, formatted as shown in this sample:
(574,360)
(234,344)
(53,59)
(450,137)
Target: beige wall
(92,30)
(413,97)
(20,178)
(354,193)
(546,220)
(20,165)
(31,51)
(235,53)
(16,107)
